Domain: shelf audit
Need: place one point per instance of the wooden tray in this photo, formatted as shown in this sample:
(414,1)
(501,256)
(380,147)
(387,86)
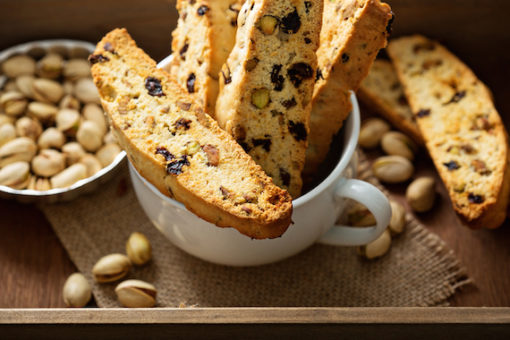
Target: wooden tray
(33,264)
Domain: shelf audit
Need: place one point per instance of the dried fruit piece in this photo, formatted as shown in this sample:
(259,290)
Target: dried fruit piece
(423,113)
(276,78)
(291,22)
(264,142)
(202,10)
(452,165)
(153,85)
(190,83)
(475,199)
(213,154)
(175,166)
(251,64)
(299,72)
(298,130)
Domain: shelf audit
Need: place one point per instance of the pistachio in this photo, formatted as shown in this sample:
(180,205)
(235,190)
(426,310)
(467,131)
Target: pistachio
(138,249)
(398,218)
(109,138)
(396,143)
(7,133)
(260,98)
(51,138)
(73,152)
(13,103)
(360,216)
(15,175)
(371,132)
(50,66)
(19,149)
(77,291)
(48,163)
(39,184)
(42,111)
(107,153)
(5,119)
(78,52)
(47,91)
(92,163)
(421,194)
(68,87)
(24,85)
(86,91)
(10,86)
(28,127)
(59,49)
(89,136)
(18,65)
(94,113)
(75,69)
(69,102)
(136,294)
(69,176)
(392,169)
(376,248)
(68,121)
(111,268)
(268,24)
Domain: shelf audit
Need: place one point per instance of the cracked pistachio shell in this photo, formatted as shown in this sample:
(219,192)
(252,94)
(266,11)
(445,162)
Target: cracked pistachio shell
(18,65)
(398,218)
(73,152)
(77,291)
(75,69)
(376,248)
(42,111)
(50,66)
(89,135)
(138,249)
(13,103)
(111,268)
(136,294)
(19,149)
(24,85)
(371,132)
(421,194)
(392,169)
(92,163)
(69,176)
(69,102)
(15,175)
(40,184)
(48,163)
(47,91)
(86,91)
(107,153)
(68,121)
(360,216)
(28,127)
(51,138)
(7,133)
(109,138)
(396,143)
(95,113)
(5,119)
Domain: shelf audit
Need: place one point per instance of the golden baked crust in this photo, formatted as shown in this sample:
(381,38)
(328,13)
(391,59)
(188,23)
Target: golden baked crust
(267,82)
(352,33)
(201,43)
(179,148)
(462,130)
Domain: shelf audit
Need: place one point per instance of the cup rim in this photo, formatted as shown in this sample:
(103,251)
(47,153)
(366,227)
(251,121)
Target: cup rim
(347,153)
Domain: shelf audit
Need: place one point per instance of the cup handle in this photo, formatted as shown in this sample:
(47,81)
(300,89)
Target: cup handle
(374,200)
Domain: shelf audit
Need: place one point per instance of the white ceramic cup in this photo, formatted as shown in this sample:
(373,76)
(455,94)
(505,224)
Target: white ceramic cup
(314,215)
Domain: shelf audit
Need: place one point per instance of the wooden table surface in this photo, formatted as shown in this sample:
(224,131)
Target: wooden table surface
(33,263)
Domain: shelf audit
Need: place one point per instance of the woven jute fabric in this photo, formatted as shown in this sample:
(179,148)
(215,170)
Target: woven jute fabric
(419,270)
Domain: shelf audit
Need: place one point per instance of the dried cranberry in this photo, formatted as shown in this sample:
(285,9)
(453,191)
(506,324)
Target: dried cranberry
(227,78)
(291,22)
(98,58)
(475,199)
(285,177)
(175,167)
(182,123)
(183,51)
(190,83)
(308,41)
(202,10)
(345,58)
(452,165)
(423,113)
(163,151)
(153,85)
(224,192)
(297,130)
(456,97)
(213,154)
(276,78)
(108,47)
(308,5)
(264,142)
(298,72)
(289,103)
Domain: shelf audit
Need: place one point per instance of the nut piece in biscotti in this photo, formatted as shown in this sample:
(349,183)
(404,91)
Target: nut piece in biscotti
(462,130)
(352,33)
(267,82)
(201,43)
(382,92)
(179,148)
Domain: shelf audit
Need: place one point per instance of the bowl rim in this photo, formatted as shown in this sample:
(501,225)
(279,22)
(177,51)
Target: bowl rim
(347,154)
(23,48)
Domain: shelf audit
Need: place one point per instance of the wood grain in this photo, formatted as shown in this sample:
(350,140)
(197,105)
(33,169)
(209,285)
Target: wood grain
(34,265)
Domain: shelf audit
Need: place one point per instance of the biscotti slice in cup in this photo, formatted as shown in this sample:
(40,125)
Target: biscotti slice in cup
(382,92)
(462,130)
(179,148)
(352,33)
(267,82)
(201,43)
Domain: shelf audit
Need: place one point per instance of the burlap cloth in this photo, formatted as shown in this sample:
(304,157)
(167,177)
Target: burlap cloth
(419,270)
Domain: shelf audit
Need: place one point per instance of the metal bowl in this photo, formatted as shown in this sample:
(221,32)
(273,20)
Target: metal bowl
(86,185)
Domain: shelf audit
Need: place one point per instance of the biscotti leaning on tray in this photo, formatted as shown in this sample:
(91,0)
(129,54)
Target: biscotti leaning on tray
(180,149)
(267,82)
(462,130)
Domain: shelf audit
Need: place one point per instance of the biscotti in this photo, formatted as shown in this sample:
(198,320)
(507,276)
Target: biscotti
(352,33)
(179,148)
(267,82)
(462,130)
(382,92)
(201,43)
